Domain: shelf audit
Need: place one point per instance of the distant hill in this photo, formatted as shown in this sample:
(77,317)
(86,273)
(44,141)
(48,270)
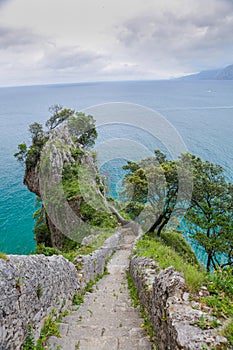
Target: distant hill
(217,74)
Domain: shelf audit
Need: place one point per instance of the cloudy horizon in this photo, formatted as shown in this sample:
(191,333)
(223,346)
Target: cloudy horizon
(72,41)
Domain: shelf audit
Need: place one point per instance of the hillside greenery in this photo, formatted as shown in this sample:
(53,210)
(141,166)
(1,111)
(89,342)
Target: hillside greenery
(76,179)
(219,282)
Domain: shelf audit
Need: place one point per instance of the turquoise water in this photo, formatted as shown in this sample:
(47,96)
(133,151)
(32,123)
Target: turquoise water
(202,112)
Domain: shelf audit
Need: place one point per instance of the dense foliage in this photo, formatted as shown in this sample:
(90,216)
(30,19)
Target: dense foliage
(210,216)
(81,127)
(155,183)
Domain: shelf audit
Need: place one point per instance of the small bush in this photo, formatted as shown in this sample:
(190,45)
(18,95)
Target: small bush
(47,251)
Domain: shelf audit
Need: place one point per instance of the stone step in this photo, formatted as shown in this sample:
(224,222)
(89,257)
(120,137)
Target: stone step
(100,343)
(83,331)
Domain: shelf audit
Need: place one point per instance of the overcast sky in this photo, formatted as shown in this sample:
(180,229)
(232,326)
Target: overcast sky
(58,41)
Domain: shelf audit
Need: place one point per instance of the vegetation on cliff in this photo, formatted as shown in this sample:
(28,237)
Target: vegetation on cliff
(80,177)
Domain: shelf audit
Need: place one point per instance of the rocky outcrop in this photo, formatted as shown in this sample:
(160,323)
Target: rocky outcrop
(30,288)
(163,293)
(31,180)
(63,216)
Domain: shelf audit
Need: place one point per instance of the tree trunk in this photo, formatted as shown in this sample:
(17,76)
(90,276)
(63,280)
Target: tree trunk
(156,224)
(164,223)
(208,261)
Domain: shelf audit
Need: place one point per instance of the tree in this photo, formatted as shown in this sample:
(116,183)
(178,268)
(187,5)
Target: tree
(209,218)
(155,184)
(82,129)
(59,115)
(39,138)
(36,131)
(21,156)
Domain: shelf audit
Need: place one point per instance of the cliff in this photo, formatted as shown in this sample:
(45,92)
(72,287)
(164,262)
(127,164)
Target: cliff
(62,201)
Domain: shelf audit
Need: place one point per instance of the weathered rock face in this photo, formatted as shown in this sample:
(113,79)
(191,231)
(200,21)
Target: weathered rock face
(166,302)
(30,288)
(31,180)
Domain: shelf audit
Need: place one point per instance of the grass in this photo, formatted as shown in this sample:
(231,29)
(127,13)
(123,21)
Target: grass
(177,242)
(78,299)
(50,328)
(220,287)
(29,343)
(166,256)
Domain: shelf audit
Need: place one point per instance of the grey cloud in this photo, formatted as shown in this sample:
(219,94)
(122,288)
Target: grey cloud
(14,38)
(73,58)
(3,2)
(182,35)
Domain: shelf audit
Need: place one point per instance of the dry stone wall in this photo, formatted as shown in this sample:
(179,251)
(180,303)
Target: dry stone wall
(165,298)
(32,286)
(92,265)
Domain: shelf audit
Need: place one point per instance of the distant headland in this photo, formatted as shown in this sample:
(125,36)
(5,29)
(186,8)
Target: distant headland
(216,74)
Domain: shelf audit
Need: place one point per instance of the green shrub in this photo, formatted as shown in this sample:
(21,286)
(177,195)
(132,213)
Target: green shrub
(221,280)
(97,218)
(47,251)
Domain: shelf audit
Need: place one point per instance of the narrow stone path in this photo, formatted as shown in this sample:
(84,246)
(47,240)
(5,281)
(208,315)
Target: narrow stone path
(106,320)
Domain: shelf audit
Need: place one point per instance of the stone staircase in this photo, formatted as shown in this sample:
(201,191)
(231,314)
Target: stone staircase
(106,320)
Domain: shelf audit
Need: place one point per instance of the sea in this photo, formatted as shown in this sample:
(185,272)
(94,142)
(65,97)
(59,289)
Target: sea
(199,113)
